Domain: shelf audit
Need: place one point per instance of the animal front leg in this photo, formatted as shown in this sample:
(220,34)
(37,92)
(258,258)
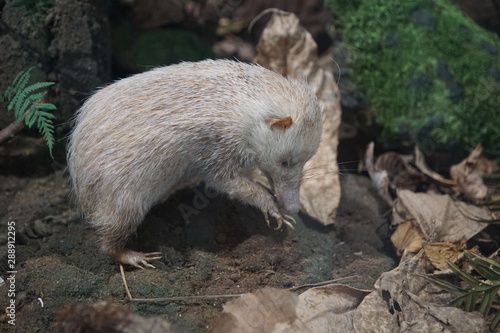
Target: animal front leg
(280,219)
(256,195)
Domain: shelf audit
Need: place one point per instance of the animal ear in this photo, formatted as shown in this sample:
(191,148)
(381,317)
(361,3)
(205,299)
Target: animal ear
(282,124)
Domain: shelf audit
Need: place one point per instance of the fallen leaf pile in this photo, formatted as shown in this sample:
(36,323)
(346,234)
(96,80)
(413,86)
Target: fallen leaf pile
(434,219)
(441,219)
(392,171)
(403,301)
(469,183)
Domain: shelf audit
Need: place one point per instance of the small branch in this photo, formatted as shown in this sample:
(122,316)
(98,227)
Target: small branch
(7,133)
(209,297)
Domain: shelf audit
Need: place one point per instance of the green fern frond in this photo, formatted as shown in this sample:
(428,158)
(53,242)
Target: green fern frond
(20,81)
(25,102)
(10,92)
(35,111)
(20,111)
(46,128)
(28,93)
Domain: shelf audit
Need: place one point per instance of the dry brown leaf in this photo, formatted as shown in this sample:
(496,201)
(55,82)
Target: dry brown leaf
(485,165)
(439,217)
(440,253)
(329,308)
(407,237)
(424,168)
(392,170)
(287,48)
(405,302)
(321,309)
(469,183)
(402,302)
(380,178)
(267,310)
(400,171)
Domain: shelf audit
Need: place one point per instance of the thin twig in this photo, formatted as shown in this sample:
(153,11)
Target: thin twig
(122,272)
(322,283)
(9,132)
(184,298)
(208,297)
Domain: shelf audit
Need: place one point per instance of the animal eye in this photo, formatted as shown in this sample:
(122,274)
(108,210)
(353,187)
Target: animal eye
(284,164)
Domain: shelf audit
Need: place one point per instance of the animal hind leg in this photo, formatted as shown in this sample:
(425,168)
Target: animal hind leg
(116,229)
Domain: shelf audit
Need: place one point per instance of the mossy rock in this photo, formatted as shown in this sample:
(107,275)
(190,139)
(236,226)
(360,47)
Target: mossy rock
(431,74)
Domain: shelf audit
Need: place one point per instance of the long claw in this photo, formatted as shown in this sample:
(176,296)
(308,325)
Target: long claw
(136,259)
(266,217)
(289,218)
(289,224)
(280,219)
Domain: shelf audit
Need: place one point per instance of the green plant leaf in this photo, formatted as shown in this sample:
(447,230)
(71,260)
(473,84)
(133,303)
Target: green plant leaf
(17,84)
(46,129)
(485,293)
(488,299)
(19,87)
(10,91)
(467,300)
(32,115)
(472,301)
(495,265)
(46,106)
(19,112)
(450,287)
(495,321)
(466,277)
(24,100)
(29,90)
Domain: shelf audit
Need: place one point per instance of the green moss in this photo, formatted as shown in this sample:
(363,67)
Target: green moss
(429,71)
(142,49)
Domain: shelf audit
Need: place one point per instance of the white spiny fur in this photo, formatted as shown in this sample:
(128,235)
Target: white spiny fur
(142,137)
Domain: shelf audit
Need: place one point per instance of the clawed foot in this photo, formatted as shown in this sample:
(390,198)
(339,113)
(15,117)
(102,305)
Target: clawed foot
(136,259)
(280,219)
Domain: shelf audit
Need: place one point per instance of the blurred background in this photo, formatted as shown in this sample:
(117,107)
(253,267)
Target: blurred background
(424,72)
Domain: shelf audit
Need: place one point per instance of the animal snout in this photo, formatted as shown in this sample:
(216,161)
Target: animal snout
(288,199)
(292,208)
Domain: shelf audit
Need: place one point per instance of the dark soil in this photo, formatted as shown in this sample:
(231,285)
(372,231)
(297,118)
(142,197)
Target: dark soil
(222,248)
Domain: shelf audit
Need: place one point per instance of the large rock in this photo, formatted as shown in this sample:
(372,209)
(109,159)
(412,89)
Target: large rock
(68,43)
